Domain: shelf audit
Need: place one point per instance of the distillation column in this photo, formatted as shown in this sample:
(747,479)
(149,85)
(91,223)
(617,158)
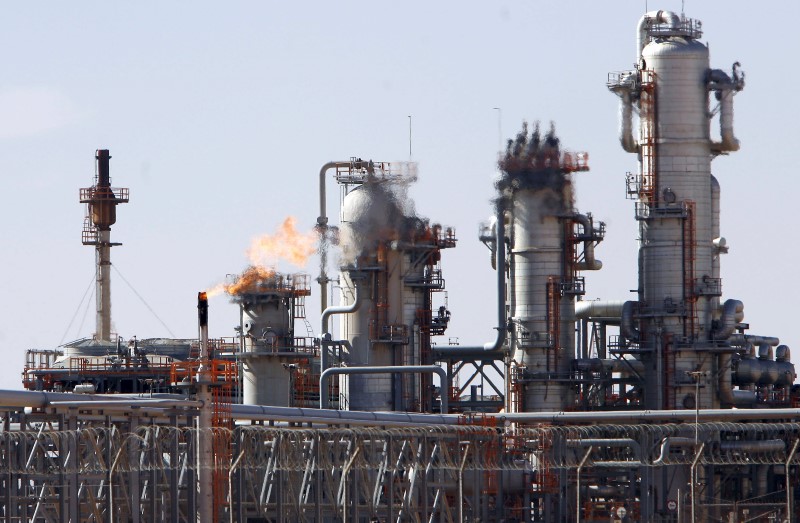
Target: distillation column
(390,266)
(676,327)
(536,182)
(677,316)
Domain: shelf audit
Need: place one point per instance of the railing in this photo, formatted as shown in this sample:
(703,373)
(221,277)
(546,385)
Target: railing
(222,371)
(706,286)
(93,194)
(688,27)
(359,171)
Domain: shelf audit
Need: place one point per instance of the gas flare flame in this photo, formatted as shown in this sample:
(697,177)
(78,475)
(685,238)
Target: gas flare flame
(249,279)
(286,244)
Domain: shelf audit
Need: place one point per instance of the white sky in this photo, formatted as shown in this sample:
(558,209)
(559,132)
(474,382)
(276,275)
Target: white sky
(219,115)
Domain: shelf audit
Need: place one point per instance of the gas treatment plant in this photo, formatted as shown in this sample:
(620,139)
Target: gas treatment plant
(663,408)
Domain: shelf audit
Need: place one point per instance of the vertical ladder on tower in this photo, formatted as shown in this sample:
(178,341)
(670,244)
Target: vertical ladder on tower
(648,118)
(689,293)
(553,318)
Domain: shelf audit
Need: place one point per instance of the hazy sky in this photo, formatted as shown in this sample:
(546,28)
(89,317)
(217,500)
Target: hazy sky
(219,115)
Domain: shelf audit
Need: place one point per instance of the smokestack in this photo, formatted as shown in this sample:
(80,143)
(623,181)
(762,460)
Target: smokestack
(103,178)
(202,320)
(205,456)
(102,203)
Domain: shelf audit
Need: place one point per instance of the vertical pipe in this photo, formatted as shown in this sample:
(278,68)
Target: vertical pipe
(578,489)
(461,484)
(103,284)
(322,227)
(230,483)
(205,457)
(326,336)
(788,483)
(694,479)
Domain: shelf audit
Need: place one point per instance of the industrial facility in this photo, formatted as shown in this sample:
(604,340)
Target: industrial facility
(666,407)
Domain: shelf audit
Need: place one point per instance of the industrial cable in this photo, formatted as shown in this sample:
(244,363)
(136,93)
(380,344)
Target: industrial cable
(77,310)
(85,312)
(143,301)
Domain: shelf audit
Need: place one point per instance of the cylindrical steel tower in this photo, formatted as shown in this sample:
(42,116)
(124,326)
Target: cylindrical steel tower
(677,315)
(544,265)
(102,201)
(271,358)
(393,258)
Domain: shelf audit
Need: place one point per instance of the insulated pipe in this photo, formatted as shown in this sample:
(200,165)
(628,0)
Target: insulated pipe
(599,309)
(726,394)
(39,399)
(653,18)
(326,314)
(742,340)
(339,417)
(500,257)
(322,225)
(628,331)
(732,313)
(389,369)
(609,443)
(764,372)
(589,262)
(667,443)
(720,81)
(768,445)
(626,139)
(610,365)
(123,406)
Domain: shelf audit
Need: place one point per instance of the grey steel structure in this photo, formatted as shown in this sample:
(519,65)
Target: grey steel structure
(545,237)
(271,355)
(614,410)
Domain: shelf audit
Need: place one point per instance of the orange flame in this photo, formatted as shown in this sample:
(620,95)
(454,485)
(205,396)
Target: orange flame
(249,279)
(216,290)
(286,244)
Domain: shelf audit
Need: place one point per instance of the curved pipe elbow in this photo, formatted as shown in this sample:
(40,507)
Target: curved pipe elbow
(341,309)
(719,81)
(322,220)
(500,263)
(729,142)
(728,397)
(732,313)
(626,138)
(589,263)
(653,18)
(598,309)
(628,331)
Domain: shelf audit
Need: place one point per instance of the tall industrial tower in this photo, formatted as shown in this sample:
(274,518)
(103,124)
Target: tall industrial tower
(101,210)
(682,330)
